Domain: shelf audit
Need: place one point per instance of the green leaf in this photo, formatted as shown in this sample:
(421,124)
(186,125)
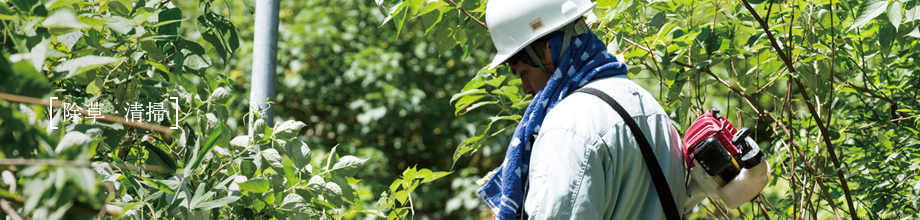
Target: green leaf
(433,6)
(915,33)
(120,24)
(260,129)
(166,188)
(250,5)
(894,14)
(258,205)
(348,166)
(658,20)
(400,17)
(333,193)
(868,10)
(65,20)
(82,64)
(394,8)
(497,81)
(430,20)
(522,104)
(6,17)
(5,10)
(200,196)
(287,130)
(883,139)
(22,79)
(513,93)
(401,196)
(467,145)
(291,201)
(273,158)
(83,178)
(216,203)
(119,8)
(154,53)
(887,36)
(471,92)
(95,87)
(515,118)
(428,176)
(398,213)
(240,141)
(473,106)
(168,15)
(316,184)
(220,96)
(299,152)
(255,185)
(201,152)
(39,52)
(197,61)
(70,140)
(445,40)
(220,33)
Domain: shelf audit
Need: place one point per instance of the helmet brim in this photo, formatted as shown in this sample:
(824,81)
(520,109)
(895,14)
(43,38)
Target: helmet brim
(499,59)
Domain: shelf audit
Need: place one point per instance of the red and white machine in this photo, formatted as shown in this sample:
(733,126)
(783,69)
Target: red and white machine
(725,163)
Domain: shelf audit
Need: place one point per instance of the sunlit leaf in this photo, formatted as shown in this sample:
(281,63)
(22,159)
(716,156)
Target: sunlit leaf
(299,152)
(333,193)
(348,166)
(868,10)
(159,184)
(64,18)
(82,64)
(220,96)
(217,203)
(894,14)
(255,185)
(204,150)
(273,158)
(287,129)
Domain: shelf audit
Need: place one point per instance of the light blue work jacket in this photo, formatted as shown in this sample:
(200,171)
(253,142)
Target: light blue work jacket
(586,164)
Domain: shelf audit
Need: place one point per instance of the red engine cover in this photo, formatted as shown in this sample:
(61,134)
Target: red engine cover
(707,125)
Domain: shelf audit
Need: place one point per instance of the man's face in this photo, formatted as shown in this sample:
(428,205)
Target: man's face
(532,77)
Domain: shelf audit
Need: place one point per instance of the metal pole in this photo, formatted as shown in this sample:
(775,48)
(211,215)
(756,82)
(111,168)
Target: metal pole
(265,54)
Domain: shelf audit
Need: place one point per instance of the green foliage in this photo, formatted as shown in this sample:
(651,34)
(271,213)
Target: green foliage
(119,53)
(398,200)
(383,93)
(376,96)
(490,88)
(830,88)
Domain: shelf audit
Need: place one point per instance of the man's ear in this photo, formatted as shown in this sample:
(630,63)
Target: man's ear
(547,56)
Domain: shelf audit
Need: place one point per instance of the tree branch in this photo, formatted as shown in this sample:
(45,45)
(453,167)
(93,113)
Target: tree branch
(830,147)
(9,210)
(105,117)
(630,41)
(76,209)
(468,14)
(811,108)
(886,122)
(66,163)
(864,89)
(769,33)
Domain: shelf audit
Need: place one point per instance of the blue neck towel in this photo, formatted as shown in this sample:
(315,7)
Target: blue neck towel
(586,60)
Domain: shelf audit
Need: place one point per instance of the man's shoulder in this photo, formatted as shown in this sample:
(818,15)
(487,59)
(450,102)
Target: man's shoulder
(582,111)
(585,112)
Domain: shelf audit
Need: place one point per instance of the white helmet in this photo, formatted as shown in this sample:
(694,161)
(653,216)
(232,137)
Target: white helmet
(515,24)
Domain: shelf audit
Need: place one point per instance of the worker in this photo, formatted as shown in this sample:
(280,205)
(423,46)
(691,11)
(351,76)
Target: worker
(572,156)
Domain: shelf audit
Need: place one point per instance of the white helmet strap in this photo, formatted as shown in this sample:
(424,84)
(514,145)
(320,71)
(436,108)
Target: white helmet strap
(566,40)
(576,28)
(535,58)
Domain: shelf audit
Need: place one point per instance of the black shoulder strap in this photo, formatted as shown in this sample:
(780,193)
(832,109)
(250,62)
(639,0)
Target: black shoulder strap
(661,184)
